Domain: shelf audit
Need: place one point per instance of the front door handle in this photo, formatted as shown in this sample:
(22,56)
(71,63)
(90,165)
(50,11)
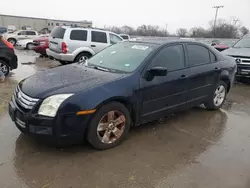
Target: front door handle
(93,45)
(216,69)
(183,76)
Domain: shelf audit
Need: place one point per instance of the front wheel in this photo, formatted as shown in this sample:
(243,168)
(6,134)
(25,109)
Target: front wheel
(30,46)
(109,126)
(217,99)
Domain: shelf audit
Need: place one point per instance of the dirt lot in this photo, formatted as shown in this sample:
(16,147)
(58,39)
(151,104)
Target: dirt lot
(192,149)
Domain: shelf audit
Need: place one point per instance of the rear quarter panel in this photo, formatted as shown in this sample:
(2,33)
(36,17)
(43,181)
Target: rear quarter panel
(228,68)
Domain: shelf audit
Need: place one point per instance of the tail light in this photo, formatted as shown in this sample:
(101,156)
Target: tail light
(8,44)
(64,47)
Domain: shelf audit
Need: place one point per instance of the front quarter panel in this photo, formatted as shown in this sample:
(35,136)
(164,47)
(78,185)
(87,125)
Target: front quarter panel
(123,89)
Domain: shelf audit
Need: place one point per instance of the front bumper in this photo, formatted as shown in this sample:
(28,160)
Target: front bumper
(243,70)
(60,56)
(61,129)
(20,45)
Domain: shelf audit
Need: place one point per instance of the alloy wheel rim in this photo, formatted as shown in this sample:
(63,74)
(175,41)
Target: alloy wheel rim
(111,127)
(219,95)
(30,46)
(3,68)
(83,58)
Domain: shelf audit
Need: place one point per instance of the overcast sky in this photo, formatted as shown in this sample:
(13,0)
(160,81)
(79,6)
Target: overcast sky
(174,13)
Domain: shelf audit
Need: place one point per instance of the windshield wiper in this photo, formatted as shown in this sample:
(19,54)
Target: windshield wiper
(102,69)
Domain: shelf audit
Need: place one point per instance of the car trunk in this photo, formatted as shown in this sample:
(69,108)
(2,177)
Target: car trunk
(56,39)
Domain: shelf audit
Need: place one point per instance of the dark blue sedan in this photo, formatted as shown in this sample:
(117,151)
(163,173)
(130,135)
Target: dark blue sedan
(125,85)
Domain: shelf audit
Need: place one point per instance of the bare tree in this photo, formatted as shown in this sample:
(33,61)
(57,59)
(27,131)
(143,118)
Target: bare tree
(182,32)
(244,31)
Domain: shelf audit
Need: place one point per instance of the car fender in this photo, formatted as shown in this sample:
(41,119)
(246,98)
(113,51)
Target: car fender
(119,90)
(83,49)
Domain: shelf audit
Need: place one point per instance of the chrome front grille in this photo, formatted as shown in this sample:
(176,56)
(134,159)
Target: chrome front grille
(242,60)
(24,100)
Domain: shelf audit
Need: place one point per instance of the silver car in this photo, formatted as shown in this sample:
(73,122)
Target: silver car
(70,44)
(240,51)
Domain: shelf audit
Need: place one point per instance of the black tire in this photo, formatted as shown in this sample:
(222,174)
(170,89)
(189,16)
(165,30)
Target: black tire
(92,135)
(210,103)
(7,67)
(12,41)
(29,46)
(83,54)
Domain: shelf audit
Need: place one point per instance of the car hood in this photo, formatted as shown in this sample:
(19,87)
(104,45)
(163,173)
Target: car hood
(66,79)
(245,52)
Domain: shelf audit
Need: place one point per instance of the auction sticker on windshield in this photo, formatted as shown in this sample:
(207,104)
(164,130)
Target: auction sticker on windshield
(140,47)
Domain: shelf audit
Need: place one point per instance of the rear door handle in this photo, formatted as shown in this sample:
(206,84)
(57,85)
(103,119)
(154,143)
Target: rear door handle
(93,45)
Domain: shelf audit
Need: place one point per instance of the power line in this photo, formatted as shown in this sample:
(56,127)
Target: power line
(216,14)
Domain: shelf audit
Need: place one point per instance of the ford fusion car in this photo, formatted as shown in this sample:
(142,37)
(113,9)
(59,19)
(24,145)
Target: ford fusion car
(126,84)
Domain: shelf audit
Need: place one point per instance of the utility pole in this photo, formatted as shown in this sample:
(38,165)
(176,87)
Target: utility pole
(216,14)
(166,30)
(235,21)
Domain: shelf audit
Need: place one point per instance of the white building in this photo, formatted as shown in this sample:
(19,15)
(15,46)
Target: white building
(38,24)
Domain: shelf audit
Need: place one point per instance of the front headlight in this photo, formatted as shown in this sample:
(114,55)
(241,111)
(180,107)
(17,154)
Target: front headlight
(51,104)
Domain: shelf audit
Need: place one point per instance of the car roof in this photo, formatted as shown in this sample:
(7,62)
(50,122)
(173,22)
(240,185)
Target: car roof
(84,28)
(169,41)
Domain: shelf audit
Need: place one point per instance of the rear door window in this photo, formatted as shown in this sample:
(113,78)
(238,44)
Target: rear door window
(197,55)
(58,32)
(30,33)
(78,35)
(97,36)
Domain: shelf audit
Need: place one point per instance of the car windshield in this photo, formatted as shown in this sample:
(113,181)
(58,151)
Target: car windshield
(243,43)
(121,57)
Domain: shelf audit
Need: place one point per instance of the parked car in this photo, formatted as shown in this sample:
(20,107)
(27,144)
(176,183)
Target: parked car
(240,51)
(8,59)
(13,37)
(221,47)
(3,30)
(41,45)
(25,44)
(124,85)
(125,37)
(70,44)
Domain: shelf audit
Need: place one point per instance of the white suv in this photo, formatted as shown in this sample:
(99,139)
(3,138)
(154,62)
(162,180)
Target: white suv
(13,37)
(67,44)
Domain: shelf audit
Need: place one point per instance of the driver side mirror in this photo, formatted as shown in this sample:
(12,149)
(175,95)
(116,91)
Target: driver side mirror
(155,71)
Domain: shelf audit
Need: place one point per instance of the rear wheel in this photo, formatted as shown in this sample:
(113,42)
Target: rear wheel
(217,99)
(4,67)
(83,56)
(12,41)
(109,126)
